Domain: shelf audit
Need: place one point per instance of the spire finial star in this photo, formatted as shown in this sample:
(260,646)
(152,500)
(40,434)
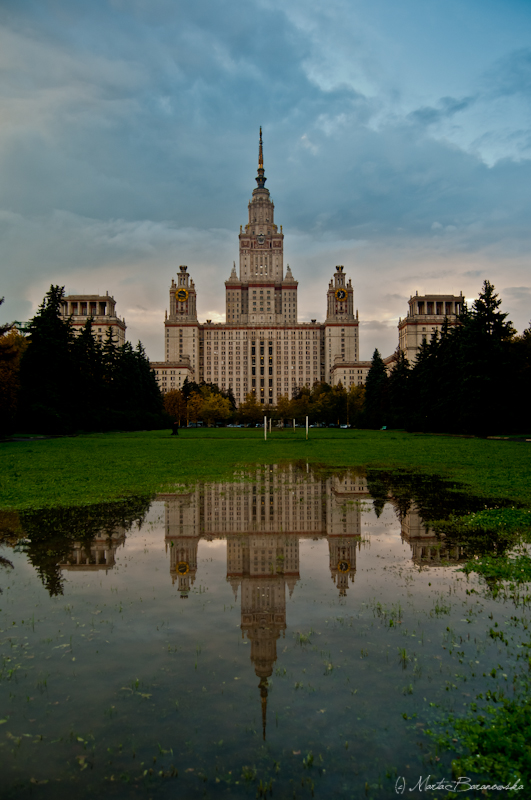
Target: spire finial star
(260,151)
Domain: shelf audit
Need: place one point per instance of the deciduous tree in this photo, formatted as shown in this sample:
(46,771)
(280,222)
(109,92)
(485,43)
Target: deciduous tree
(12,346)
(175,405)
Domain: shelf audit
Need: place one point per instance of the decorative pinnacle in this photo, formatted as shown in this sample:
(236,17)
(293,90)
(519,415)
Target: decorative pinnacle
(260,178)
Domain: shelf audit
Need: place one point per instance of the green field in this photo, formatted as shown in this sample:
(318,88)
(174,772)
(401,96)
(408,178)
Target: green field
(97,468)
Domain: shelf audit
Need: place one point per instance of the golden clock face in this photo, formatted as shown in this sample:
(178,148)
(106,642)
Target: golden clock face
(341,294)
(183,567)
(343,565)
(181,295)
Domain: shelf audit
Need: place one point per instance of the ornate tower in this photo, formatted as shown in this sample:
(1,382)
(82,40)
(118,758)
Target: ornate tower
(259,295)
(181,328)
(341,326)
(261,244)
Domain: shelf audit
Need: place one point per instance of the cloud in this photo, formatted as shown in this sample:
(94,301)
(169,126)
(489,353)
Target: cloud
(448,107)
(519,292)
(510,75)
(128,145)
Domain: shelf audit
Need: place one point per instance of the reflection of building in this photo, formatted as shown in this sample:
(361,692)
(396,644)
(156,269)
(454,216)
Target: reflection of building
(344,526)
(98,555)
(102,309)
(263,600)
(428,548)
(182,538)
(263,523)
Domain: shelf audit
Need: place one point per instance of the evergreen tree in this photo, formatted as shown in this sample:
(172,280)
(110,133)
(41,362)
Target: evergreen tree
(484,338)
(422,386)
(399,392)
(87,355)
(520,390)
(462,381)
(47,369)
(376,391)
(486,317)
(71,383)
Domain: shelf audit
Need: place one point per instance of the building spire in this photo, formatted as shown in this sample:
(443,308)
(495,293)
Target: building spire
(260,178)
(263,686)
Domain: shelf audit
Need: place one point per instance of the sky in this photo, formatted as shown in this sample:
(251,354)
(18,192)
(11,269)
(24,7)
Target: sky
(397,142)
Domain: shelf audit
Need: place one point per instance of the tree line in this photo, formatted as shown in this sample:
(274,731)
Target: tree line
(56,382)
(323,404)
(474,377)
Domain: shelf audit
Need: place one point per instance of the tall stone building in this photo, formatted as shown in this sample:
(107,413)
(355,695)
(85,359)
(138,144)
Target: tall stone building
(261,347)
(426,315)
(102,310)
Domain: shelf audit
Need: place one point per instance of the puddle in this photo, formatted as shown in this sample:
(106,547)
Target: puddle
(295,632)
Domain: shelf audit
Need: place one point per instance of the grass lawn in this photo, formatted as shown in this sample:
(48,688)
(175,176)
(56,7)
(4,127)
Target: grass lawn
(103,467)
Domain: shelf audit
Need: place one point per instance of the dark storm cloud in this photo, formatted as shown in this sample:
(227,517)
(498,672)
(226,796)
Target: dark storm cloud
(448,107)
(146,114)
(128,145)
(511,75)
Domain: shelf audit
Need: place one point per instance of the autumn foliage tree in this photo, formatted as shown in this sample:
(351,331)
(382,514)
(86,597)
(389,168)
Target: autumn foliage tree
(175,406)
(12,346)
(250,412)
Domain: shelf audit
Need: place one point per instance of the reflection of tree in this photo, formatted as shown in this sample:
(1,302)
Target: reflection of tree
(435,500)
(49,533)
(378,488)
(5,562)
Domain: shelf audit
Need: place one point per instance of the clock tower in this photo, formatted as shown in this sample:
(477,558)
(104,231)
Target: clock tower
(181,328)
(341,326)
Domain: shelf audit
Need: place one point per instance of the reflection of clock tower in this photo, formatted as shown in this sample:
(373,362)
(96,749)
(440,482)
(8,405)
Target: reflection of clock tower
(182,536)
(341,326)
(343,525)
(342,551)
(181,329)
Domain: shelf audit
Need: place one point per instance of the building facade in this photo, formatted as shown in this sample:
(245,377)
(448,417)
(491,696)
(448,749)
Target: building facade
(426,315)
(262,347)
(102,310)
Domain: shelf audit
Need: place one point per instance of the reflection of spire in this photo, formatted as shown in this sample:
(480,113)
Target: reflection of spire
(260,179)
(263,694)
(234,582)
(291,582)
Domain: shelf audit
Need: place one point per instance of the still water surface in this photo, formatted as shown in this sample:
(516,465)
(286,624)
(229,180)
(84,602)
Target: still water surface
(285,632)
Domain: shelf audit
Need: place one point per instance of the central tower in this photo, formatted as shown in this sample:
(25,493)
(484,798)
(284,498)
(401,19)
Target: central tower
(260,294)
